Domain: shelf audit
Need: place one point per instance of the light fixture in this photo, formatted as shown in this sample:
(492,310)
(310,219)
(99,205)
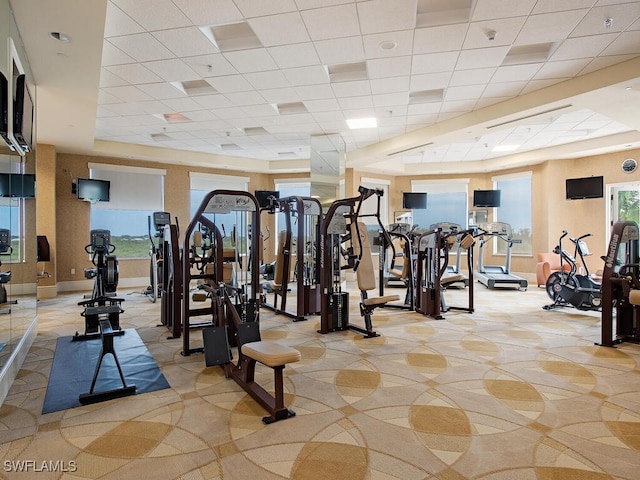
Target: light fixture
(505,148)
(388,45)
(368,122)
(60,37)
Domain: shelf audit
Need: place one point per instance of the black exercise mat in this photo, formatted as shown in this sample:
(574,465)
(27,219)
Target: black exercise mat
(74,364)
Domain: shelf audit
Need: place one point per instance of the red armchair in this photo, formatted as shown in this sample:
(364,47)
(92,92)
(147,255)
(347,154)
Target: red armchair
(547,264)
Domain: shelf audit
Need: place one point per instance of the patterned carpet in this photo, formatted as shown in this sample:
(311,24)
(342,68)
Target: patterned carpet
(508,392)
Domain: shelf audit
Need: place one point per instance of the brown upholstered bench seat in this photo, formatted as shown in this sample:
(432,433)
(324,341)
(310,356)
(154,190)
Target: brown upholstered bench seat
(271,354)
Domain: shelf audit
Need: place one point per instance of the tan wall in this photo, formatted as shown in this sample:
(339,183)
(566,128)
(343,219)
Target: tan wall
(551,211)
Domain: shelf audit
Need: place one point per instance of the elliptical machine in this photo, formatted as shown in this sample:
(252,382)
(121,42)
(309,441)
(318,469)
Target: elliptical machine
(158,221)
(572,288)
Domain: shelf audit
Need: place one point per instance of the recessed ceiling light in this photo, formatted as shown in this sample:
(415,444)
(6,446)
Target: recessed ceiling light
(505,148)
(60,37)
(355,123)
(388,45)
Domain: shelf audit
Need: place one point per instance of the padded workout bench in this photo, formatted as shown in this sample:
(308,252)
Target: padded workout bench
(106,335)
(272,355)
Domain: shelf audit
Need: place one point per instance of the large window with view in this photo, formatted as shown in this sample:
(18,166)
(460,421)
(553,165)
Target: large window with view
(12,216)
(446,202)
(515,209)
(135,193)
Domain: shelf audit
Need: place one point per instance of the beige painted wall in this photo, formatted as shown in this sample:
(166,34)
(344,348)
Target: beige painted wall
(551,211)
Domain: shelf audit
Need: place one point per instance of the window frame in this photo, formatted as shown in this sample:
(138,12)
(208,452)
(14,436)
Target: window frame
(496,210)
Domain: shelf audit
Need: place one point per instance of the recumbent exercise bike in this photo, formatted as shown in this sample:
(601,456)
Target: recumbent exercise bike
(572,288)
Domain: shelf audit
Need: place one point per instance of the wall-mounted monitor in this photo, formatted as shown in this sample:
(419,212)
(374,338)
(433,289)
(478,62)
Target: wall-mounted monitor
(263,197)
(588,187)
(414,200)
(17,185)
(486,198)
(92,190)
(4,109)
(23,115)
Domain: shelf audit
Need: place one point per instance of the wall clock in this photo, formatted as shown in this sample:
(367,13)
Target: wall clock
(629,165)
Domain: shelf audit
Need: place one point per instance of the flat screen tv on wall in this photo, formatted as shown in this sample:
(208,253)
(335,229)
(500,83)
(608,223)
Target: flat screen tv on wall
(92,190)
(486,198)
(262,196)
(587,187)
(4,109)
(23,115)
(414,200)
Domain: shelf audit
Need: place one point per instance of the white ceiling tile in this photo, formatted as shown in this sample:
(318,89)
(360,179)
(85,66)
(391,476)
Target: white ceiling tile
(353,103)
(391,99)
(481,58)
(332,22)
(267,80)
(351,89)
(213,101)
(154,14)
(186,42)
(431,81)
(604,62)
(324,105)
(383,16)
(389,67)
(280,95)
(181,104)
(503,89)
(434,62)
(582,47)
(312,75)
(472,77)
(515,73)
(263,112)
(506,30)
(340,50)
(173,70)
(119,23)
(463,93)
(548,27)
(209,12)
(210,65)
(439,39)
(402,39)
(628,43)
(134,73)
(390,85)
(230,83)
(142,47)
(565,69)
(292,56)
(490,9)
(161,91)
(254,60)
(251,8)
(281,29)
(127,109)
(105,98)
(245,98)
(112,55)
(108,79)
(593,22)
(128,93)
(315,92)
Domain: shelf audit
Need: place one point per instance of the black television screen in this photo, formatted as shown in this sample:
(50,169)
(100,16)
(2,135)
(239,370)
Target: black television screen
(4,109)
(588,187)
(486,198)
(23,115)
(263,197)
(17,185)
(93,190)
(414,200)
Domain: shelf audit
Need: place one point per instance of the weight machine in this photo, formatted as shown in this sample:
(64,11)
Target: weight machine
(432,265)
(103,303)
(621,286)
(398,235)
(453,275)
(302,217)
(344,244)
(158,221)
(5,277)
(171,286)
(236,267)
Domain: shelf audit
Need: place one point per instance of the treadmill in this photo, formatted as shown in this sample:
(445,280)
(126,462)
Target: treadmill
(492,276)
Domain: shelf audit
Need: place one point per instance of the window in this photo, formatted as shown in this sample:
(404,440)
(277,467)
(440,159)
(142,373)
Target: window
(515,209)
(446,202)
(135,193)
(12,217)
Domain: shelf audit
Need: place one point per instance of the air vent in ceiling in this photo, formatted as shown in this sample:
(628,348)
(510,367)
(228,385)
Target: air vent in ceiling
(233,36)
(348,72)
(291,108)
(431,13)
(426,96)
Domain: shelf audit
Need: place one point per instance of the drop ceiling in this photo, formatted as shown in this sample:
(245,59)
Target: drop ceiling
(455,85)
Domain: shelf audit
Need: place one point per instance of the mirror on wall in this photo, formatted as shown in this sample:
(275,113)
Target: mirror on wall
(18,266)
